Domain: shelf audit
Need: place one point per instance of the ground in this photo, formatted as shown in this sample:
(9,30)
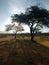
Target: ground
(23,51)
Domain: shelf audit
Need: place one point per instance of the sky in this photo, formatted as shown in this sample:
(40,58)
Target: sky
(10,7)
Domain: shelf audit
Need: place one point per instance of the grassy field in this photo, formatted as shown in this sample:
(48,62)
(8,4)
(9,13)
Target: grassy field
(23,51)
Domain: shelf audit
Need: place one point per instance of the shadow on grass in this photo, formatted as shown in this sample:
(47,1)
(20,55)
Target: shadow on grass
(25,52)
(33,42)
(31,51)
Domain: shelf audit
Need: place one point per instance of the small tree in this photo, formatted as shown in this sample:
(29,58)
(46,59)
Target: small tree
(15,28)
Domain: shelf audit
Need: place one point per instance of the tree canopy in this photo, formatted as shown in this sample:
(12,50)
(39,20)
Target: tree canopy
(14,27)
(34,12)
(33,15)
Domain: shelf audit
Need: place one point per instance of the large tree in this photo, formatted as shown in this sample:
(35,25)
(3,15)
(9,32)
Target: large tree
(33,15)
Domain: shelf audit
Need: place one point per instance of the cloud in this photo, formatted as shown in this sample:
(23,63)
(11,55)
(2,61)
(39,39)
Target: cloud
(15,6)
(18,6)
(44,4)
(2,28)
(45,29)
(8,21)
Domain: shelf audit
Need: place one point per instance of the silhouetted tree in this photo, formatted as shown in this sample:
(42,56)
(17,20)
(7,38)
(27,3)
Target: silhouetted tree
(15,28)
(33,15)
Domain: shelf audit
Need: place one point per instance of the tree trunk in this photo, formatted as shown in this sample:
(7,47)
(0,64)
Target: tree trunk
(15,35)
(32,34)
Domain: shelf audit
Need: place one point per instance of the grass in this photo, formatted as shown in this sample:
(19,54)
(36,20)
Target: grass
(42,41)
(22,51)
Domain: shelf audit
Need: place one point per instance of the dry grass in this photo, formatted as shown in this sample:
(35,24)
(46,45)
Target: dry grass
(42,41)
(22,51)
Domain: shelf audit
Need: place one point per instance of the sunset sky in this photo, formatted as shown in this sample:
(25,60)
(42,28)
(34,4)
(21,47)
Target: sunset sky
(10,7)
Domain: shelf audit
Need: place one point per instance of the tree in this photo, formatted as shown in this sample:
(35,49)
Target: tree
(15,28)
(33,15)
